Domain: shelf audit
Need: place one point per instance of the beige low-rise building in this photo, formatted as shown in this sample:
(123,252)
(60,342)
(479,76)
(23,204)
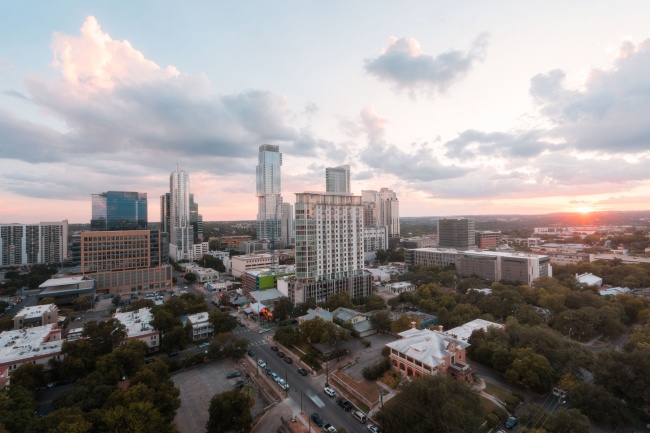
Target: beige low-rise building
(37,315)
(202,329)
(37,345)
(249,262)
(138,327)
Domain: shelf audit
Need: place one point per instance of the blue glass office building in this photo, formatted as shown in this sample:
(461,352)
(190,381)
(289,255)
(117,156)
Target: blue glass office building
(119,210)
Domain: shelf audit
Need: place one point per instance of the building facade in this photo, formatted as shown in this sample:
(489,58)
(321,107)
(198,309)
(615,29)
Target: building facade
(202,328)
(487,239)
(30,244)
(269,198)
(138,327)
(381,208)
(119,210)
(125,261)
(288,225)
(457,233)
(337,179)
(374,238)
(37,315)
(249,262)
(329,247)
(37,345)
(181,234)
(196,220)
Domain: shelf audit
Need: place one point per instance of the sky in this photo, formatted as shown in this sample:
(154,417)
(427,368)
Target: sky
(461,108)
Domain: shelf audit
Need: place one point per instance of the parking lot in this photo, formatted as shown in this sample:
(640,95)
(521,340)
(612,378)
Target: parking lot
(197,386)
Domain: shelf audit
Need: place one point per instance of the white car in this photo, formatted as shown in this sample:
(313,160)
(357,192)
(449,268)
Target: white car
(375,429)
(329,428)
(329,391)
(261,363)
(262,331)
(283,384)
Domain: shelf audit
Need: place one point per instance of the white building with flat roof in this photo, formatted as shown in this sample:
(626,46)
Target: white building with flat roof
(138,327)
(248,262)
(464,331)
(35,345)
(201,326)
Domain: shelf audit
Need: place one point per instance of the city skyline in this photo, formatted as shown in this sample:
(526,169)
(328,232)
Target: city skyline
(463,109)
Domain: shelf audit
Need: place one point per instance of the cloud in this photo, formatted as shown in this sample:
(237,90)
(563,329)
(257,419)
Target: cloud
(403,63)
(118,107)
(610,113)
(419,165)
(472,144)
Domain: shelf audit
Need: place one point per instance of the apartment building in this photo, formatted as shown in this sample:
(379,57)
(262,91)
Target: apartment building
(30,244)
(202,329)
(138,327)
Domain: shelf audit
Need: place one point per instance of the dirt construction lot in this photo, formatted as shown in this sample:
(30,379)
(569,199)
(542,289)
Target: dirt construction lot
(197,386)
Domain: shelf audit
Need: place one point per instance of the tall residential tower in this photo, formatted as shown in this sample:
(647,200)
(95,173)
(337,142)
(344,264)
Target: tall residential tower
(180,230)
(269,200)
(382,209)
(337,179)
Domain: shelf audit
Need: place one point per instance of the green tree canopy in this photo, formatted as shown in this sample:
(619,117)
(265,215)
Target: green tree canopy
(230,411)
(381,321)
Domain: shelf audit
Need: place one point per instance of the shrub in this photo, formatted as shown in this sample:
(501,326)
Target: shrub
(385,352)
(376,370)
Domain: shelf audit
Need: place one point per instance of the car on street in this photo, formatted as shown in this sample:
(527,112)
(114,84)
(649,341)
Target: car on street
(345,404)
(261,363)
(242,324)
(241,383)
(330,392)
(204,344)
(373,428)
(511,421)
(274,376)
(288,360)
(280,354)
(283,384)
(302,371)
(233,374)
(274,348)
(329,428)
(262,331)
(251,353)
(317,419)
(172,354)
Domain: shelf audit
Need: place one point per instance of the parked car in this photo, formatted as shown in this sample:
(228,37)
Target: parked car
(233,374)
(374,428)
(262,331)
(330,392)
(288,360)
(172,354)
(242,324)
(329,428)
(280,354)
(274,348)
(241,383)
(317,419)
(206,344)
(283,384)
(261,363)
(345,404)
(302,371)
(511,421)
(251,353)
(274,376)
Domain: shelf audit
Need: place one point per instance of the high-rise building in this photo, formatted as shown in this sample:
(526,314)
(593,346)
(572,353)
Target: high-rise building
(164,213)
(196,220)
(29,244)
(288,224)
(269,200)
(180,230)
(337,179)
(382,209)
(457,233)
(119,210)
(329,248)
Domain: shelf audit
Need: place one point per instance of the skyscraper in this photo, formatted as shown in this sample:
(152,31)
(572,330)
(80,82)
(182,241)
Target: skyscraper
(196,220)
(457,233)
(119,210)
(180,229)
(382,209)
(329,247)
(164,213)
(29,244)
(269,200)
(337,179)
(288,224)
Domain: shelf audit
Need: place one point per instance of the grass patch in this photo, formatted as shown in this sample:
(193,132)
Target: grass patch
(497,391)
(487,406)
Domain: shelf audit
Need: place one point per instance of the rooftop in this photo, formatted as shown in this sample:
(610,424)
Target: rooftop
(464,331)
(428,347)
(137,322)
(52,282)
(318,312)
(36,311)
(266,295)
(30,342)
(195,319)
(345,314)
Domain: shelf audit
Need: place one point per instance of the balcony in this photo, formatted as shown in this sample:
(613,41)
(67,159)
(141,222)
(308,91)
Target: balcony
(461,369)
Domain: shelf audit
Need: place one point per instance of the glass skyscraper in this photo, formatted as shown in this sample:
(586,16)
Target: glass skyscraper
(337,179)
(180,229)
(269,200)
(119,210)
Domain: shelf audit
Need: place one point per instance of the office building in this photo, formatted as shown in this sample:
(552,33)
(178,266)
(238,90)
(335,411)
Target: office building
(487,239)
(119,210)
(196,220)
(288,225)
(30,244)
(337,179)
(67,290)
(329,248)
(489,265)
(37,315)
(381,208)
(165,203)
(181,234)
(457,233)
(269,198)
(125,261)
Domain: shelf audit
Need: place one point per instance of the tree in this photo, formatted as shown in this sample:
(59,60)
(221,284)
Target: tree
(104,336)
(17,409)
(139,416)
(334,335)
(568,421)
(410,410)
(375,302)
(164,321)
(222,322)
(226,345)
(213,245)
(312,329)
(47,300)
(212,262)
(29,376)
(381,321)
(174,339)
(403,322)
(341,299)
(598,404)
(230,411)
(287,336)
(625,374)
(530,369)
(190,277)
(65,420)
(282,308)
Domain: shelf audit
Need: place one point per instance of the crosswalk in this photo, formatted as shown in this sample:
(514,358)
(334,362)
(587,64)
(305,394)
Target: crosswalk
(258,343)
